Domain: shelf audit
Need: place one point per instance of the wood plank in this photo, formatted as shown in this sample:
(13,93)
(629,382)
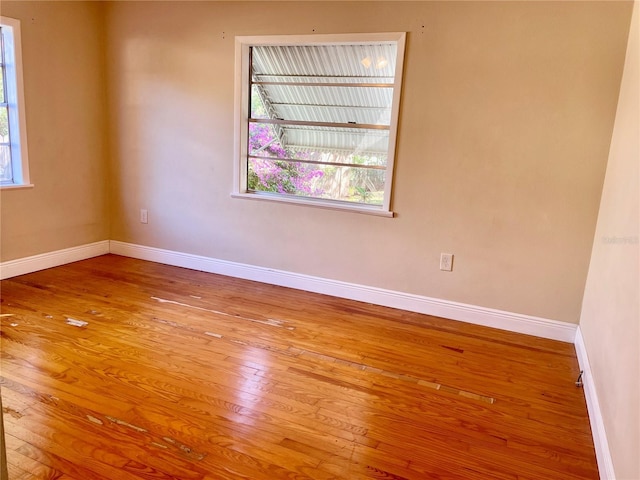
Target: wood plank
(188,375)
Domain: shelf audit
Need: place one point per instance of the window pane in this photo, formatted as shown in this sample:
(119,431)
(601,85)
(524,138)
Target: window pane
(2,99)
(264,140)
(363,105)
(336,63)
(349,184)
(4,125)
(6,173)
(258,103)
(329,144)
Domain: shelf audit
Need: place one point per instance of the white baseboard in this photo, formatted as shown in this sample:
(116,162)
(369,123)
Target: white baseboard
(34,263)
(603,454)
(515,322)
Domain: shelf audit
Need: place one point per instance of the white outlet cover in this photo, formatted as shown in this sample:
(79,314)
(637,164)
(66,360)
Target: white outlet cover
(446,262)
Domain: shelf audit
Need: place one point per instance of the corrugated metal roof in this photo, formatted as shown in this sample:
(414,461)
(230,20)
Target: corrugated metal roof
(343,139)
(373,105)
(339,114)
(286,69)
(326,61)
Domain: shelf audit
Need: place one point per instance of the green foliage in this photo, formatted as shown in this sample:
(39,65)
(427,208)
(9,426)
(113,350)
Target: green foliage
(4,123)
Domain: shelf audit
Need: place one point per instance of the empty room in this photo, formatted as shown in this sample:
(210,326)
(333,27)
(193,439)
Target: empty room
(319,240)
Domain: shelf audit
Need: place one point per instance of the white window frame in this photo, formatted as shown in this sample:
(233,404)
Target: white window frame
(15,101)
(241,117)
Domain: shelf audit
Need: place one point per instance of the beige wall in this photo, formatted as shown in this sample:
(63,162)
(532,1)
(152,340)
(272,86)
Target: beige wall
(62,47)
(610,320)
(505,127)
(506,121)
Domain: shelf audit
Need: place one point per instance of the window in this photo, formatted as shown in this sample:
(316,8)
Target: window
(316,119)
(14,167)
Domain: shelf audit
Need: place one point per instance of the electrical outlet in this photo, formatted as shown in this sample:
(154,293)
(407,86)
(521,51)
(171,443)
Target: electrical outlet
(144,218)
(446,262)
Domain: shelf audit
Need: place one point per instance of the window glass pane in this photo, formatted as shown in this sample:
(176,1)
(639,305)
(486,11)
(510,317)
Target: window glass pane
(258,105)
(328,144)
(264,140)
(2,98)
(4,125)
(363,105)
(333,63)
(349,184)
(6,173)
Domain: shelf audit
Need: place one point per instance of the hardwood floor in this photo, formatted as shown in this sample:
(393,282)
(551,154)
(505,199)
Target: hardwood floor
(187,375)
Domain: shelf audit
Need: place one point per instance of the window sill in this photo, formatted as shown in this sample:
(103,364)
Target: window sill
(16,186)
(309,202)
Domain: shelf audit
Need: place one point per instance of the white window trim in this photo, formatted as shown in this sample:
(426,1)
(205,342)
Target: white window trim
(241,116)
(17,115)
